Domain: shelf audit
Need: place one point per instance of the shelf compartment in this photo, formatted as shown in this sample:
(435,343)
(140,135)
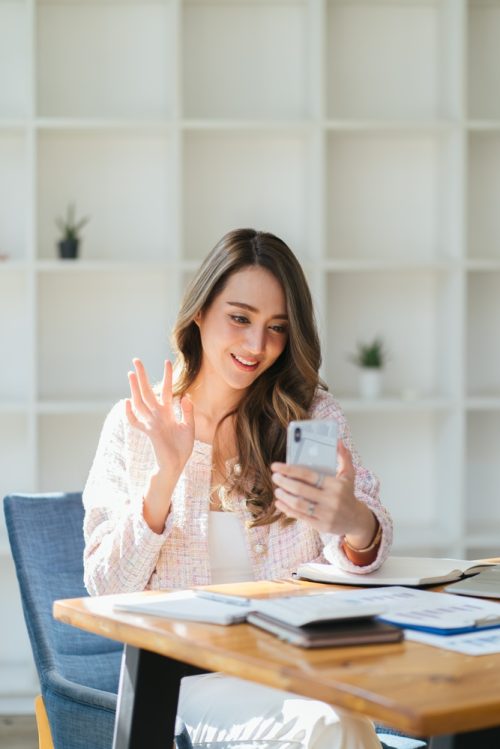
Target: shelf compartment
(68,443)
(483,448)
(132,55)
(17,365)
(403,185)
(267,45)
(15,65)
(257,180)
(484,195)
(134,172)
(406,403)
(483,342)
(88,335)
(16,469)
(483,58)
(378,51)
(410,455)
(14,190)
(412,312)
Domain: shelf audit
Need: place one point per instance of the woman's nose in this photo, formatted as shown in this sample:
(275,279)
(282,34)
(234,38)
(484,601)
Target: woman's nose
(256,340)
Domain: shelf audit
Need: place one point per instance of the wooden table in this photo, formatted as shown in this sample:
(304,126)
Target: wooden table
(412,687)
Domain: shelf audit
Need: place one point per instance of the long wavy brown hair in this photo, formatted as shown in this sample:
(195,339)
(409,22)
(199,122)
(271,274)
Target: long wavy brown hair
(283,392)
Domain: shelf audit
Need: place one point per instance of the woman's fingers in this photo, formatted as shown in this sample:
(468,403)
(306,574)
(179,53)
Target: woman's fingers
(166,384)
(301,487)
(345,467)
(148,396)
(300,473)
(132,418)
(299,508)
(137,401)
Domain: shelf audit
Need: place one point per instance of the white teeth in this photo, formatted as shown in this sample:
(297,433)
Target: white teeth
(244,361)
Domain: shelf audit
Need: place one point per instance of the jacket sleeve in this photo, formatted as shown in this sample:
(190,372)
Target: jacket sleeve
(366,489)
(121,550)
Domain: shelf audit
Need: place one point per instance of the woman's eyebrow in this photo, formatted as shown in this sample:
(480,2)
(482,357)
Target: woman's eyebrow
(243,305)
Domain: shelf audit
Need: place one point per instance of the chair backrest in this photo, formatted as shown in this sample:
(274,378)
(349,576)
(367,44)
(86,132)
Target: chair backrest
(46,538)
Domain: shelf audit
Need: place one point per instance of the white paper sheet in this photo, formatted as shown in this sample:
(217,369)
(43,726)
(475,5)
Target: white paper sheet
(473,643)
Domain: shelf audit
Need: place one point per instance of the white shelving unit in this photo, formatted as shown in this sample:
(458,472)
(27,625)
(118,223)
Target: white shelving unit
(365,132)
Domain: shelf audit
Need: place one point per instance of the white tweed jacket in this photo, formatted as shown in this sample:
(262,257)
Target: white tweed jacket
(123,554)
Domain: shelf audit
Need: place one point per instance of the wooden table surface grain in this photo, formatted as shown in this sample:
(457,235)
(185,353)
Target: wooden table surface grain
(412,687)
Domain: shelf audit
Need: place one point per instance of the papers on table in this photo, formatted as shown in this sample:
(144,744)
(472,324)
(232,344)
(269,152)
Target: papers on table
(473,643)
(218,608)
(466,625)
(432,612)
(445,614)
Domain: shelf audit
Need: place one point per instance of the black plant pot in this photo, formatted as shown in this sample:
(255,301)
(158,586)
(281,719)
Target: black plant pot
(68,249)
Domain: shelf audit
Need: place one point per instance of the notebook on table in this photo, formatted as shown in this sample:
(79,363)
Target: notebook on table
(322,634)
(322,620)
(409,571)
(484,585)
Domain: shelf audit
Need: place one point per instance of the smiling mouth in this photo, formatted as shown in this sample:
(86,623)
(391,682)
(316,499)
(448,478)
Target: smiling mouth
(245,364)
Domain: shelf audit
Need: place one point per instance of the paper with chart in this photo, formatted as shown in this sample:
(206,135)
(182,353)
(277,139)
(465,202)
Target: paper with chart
(435,612)
(485,642)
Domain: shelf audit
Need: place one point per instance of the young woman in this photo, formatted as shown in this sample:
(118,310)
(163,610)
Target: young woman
(189,486)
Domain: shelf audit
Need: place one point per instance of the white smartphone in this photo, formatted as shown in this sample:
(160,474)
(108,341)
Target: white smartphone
(313,443)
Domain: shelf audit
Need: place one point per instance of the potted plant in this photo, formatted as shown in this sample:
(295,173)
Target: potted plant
(370,358)
(70,233)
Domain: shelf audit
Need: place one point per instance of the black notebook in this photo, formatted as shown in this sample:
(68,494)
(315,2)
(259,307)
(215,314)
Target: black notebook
(323,634)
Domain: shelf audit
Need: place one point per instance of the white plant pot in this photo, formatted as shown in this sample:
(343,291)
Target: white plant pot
(370,383)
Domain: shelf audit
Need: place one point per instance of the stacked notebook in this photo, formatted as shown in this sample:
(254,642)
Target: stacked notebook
(322,621)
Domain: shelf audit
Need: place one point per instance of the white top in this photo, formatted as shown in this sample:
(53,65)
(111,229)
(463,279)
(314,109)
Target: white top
(228,552)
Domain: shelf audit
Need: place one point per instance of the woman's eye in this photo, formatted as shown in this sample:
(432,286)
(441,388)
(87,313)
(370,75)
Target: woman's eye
(279,328)
(240,319)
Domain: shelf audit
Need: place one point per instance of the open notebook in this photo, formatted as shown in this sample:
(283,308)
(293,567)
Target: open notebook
(484,585)
(410,571)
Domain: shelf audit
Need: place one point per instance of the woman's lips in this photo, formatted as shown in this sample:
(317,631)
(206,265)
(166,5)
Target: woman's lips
(244,364)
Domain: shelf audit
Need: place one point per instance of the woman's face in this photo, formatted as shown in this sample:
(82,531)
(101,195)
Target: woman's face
(245,329)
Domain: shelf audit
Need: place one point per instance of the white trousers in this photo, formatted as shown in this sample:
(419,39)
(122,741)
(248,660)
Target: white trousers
(222,712)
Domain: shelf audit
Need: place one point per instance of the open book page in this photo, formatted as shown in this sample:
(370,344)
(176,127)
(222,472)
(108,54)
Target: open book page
(397,571)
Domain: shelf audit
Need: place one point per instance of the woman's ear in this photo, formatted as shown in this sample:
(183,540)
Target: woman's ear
(197,318)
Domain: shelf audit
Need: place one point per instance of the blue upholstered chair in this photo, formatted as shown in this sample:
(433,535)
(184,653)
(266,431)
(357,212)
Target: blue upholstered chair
(78,671)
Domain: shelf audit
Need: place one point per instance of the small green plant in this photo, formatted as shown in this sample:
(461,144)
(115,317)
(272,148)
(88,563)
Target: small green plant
(69,226)
(373,355)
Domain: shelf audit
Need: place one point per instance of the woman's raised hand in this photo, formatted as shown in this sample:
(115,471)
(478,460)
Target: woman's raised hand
(172,439)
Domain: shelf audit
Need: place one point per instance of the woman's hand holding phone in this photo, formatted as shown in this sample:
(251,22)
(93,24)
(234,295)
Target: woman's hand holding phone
(326,502)
(172,440)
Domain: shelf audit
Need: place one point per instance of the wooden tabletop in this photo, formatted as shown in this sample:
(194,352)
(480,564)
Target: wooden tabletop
(413,687)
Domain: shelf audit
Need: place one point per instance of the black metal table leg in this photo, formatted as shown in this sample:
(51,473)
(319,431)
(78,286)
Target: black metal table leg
(147,699)
(488,738)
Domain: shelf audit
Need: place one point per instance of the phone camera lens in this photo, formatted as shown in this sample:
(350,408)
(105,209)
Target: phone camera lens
(297,434)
